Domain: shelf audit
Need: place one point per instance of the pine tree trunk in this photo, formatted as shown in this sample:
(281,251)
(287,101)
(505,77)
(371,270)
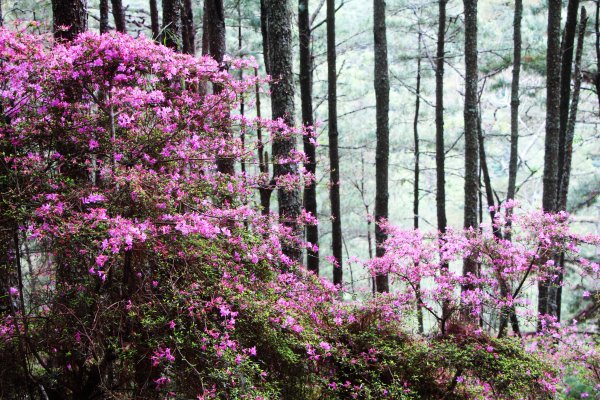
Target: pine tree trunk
(440,155)
(471,130)
(119,16)
(334,158)
(382,100)
(310,191)
(216,44)
(71,15)
(171,32)
(568,150)
(567,50)
(417,173)
(188,31)
(264,29)
(205,29)
(279,31)
(154,24)
(514,110)
(104,26)
(440,150)
(546,303)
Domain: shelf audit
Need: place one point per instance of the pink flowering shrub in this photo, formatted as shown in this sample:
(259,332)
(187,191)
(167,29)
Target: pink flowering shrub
(157,277)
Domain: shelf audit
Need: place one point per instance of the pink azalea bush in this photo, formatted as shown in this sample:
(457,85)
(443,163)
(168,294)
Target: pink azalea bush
(158,277)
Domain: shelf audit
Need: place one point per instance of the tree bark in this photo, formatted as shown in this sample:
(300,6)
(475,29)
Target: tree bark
(216,45)
(514,111)
(279,31)
(440,151)
(205,29)
(417,172)
(171,32)
(565,173)
(382,100)
(119,16)
(471,131)
(188,31)
(264,29)
(154,24)
(104,26)
(71,15)
(440,155)
(546,303)
(310,191)
(216,29)
(567,49)
(334,158)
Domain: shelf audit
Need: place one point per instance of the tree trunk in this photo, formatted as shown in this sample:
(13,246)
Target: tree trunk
(216,29)
(563,187)
(171,30)
(334,158)
(417,172)
(310,191)
(279,31)
(154,19)
(188,30)
(216,44)
(471,131)
(382,151)
(567,49)
(205,29)
(440,155)
(104,27)
(514,111)
(440,151)
(119,16)
(264,29)
(550,181)
(70,15)
(263,157)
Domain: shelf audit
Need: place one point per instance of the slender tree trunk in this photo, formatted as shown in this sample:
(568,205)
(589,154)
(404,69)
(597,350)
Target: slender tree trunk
(506,313)
(471,131)
(188,29)
(104,27)
(334,158)
(216,44)
(440,155)
(514,147)
(70,15)
(546,300)
(567,49)
(264,29)
(205,29)
(310,191)
(568,150)
(171,32)
(514,111)
(119,16)
(241,78)
(440,151)
(154,24)
(263,157)
(279,24)
(570,132)
(382,151)
(417,172)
